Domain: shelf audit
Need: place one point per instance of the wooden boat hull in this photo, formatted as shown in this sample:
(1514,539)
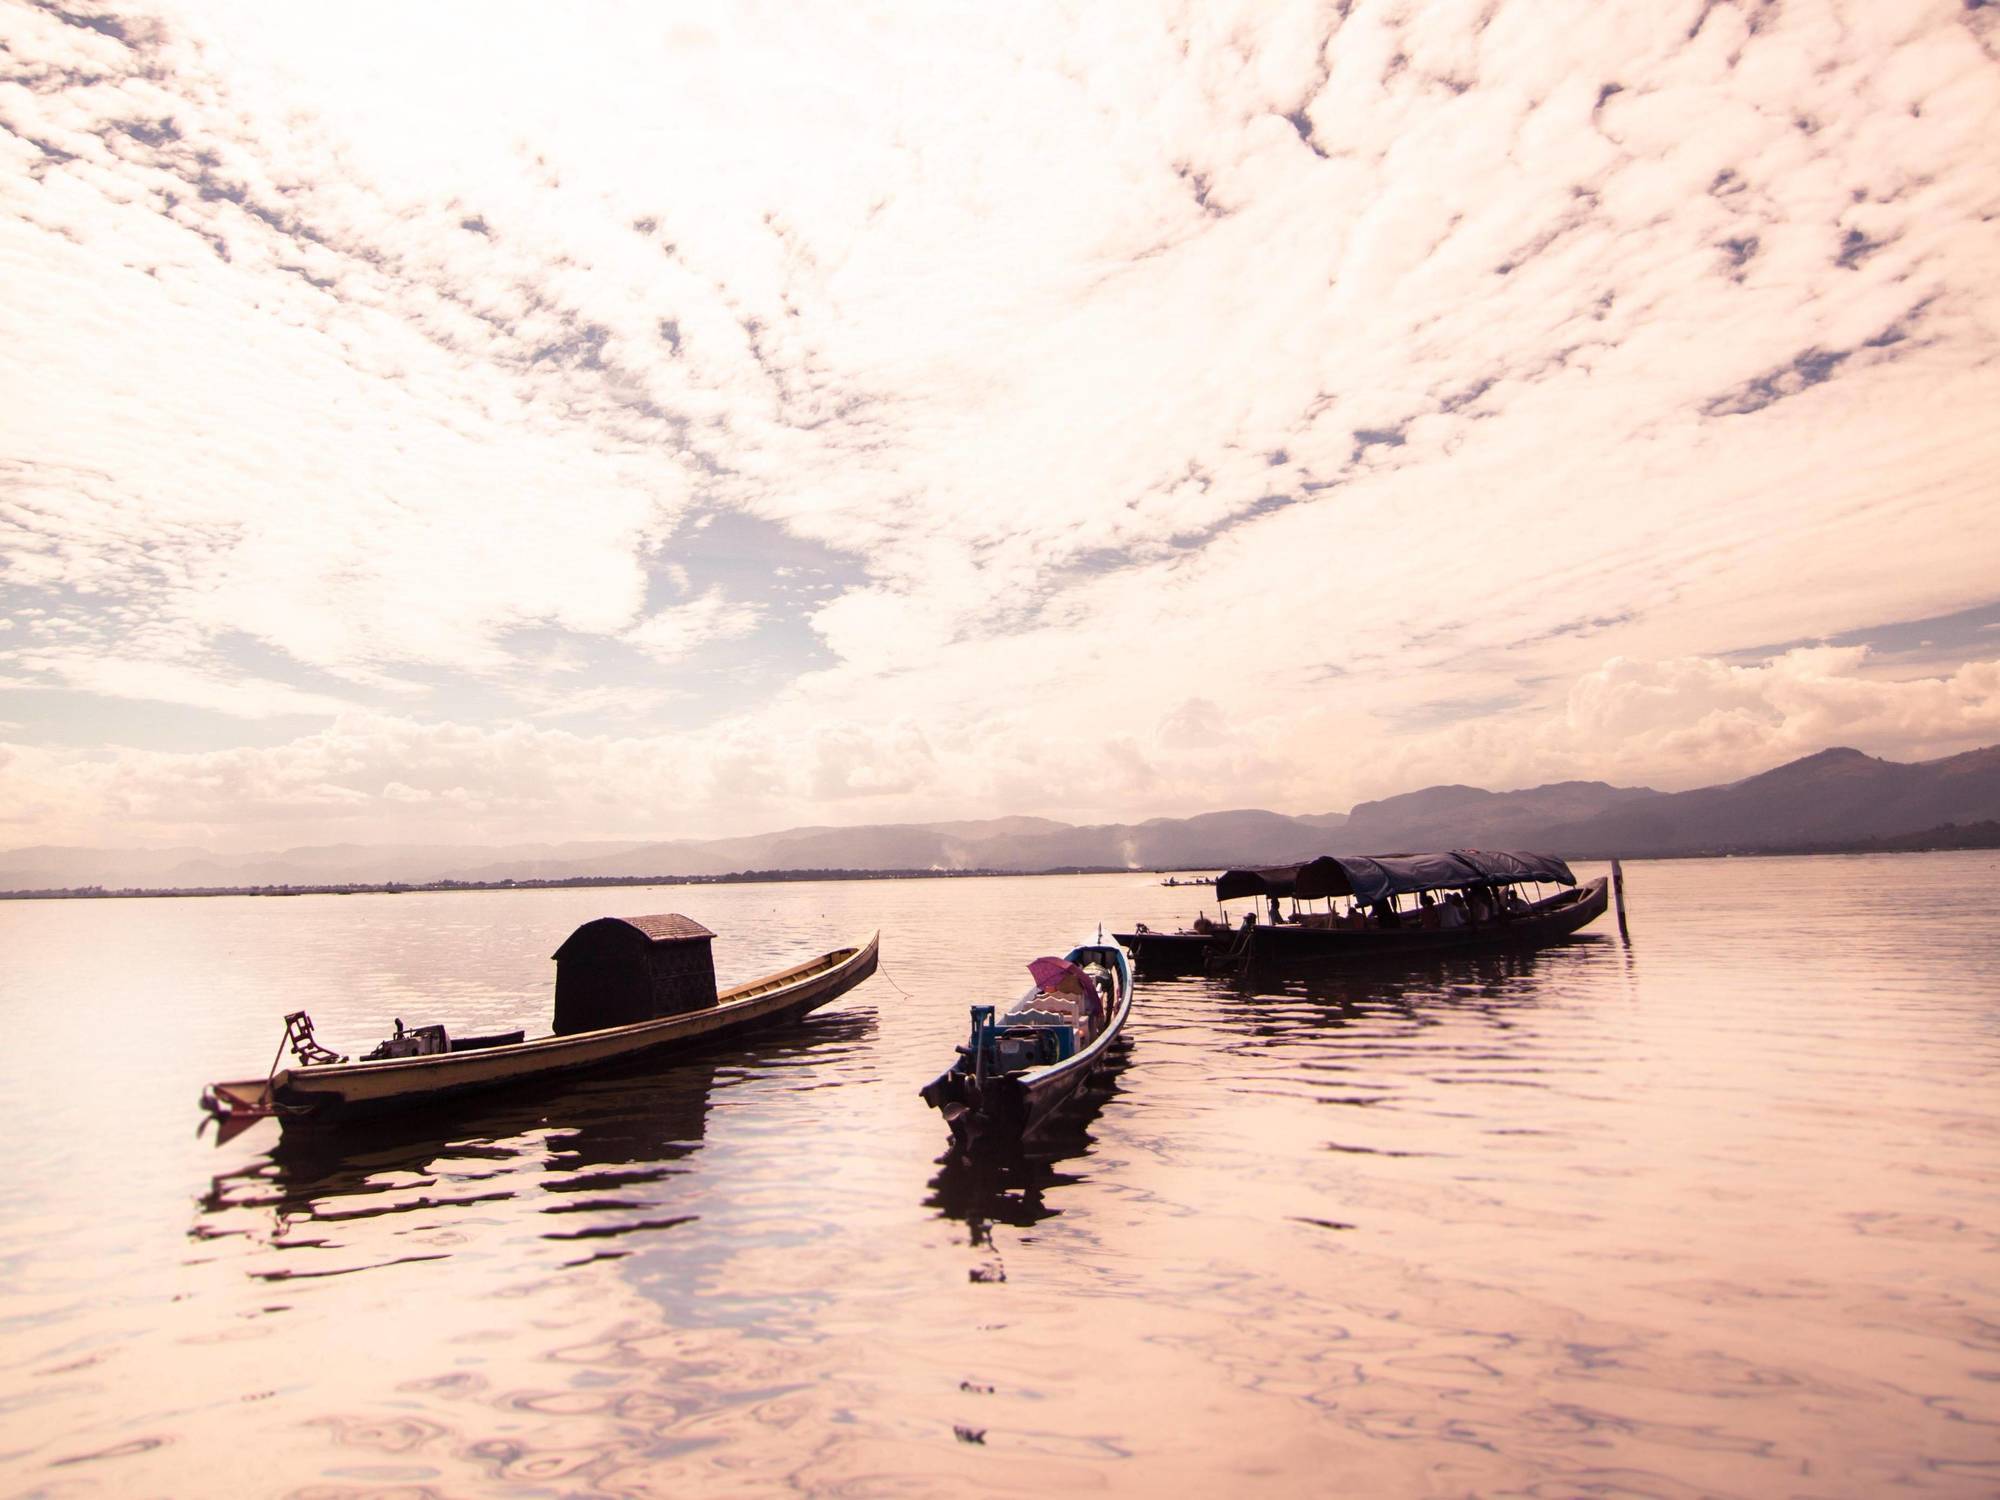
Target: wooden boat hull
(1288,949)
(1013,1108)
(324,1095)
(1166,953)
(1001,1108)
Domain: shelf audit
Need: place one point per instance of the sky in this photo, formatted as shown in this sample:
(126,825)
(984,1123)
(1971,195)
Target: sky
(491,423)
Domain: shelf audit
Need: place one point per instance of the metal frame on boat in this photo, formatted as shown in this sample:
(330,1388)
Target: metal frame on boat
(986,1105)
(321,1094)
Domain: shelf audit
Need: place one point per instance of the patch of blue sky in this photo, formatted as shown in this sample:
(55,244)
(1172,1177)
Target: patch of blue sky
(1438,712)
(593,683)
(1934,640)
(752,560)
(33,608)
(454,695)
(44,624)
(1096,561)
(749,561)
(255,657)
(1262,506)
(560,677)
(67,717)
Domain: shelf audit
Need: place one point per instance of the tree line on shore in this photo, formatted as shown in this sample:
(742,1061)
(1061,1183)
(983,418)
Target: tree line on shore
(1946,837)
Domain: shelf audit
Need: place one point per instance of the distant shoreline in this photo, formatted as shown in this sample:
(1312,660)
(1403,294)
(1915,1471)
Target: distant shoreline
(1949,838)
(568,882)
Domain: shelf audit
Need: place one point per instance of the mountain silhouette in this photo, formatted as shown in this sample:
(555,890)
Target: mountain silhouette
(1837,796)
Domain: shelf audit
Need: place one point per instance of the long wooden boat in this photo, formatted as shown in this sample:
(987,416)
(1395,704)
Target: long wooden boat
(1018,1070)
(1304,948)
(1392,911)
(322,1094)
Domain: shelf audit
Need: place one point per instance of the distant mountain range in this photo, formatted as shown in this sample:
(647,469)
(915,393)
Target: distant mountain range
(1837,797)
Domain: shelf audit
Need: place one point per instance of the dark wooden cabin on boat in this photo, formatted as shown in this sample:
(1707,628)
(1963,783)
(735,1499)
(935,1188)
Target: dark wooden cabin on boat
(618,970)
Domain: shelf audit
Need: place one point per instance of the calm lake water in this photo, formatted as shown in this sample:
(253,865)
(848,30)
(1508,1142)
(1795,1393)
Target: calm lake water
(1717,1213)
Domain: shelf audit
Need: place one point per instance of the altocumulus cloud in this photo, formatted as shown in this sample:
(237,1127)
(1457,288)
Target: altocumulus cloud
(1416,390)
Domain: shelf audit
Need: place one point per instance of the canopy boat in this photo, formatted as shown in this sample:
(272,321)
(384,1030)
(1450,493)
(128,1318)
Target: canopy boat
(625,987)
(1020,1068)
(1405,904)
(1188,950)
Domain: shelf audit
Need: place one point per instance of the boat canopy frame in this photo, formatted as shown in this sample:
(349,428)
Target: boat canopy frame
(1369,879)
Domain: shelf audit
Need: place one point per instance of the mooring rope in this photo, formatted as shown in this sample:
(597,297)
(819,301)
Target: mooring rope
(882,969)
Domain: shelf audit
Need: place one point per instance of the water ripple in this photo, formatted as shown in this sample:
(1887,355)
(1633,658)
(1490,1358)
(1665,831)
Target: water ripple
(1709,1215)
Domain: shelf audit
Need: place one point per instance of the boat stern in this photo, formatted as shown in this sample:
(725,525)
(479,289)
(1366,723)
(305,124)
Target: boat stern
(235,1107)
(975,1107)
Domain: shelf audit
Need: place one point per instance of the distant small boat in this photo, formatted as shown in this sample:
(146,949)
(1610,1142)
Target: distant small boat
(1018,1069)
(622,966)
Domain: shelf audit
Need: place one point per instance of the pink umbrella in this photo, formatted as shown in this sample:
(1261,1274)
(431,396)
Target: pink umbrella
(1058,973)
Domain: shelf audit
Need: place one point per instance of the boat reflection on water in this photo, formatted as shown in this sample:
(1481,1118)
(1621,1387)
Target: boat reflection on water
(1011,1185)
(590,1158)
(1508,979)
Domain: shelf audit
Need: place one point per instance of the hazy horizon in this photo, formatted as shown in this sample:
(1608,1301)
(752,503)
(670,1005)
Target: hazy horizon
(1452,821)
(495,426)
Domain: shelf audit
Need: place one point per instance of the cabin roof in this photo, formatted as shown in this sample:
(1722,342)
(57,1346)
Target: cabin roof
(667,927)
(653,931)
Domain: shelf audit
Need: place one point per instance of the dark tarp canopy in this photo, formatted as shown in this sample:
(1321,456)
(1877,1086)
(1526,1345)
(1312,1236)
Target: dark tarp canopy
(1502,866)
(1276,881)
(1370,880)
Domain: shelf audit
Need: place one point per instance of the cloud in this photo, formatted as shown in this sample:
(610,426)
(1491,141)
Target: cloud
(157,680)
(1196,722)
(851,761)
(1361,374)
(672,633)
(1699,720)
(1671,723)
(1701,711)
